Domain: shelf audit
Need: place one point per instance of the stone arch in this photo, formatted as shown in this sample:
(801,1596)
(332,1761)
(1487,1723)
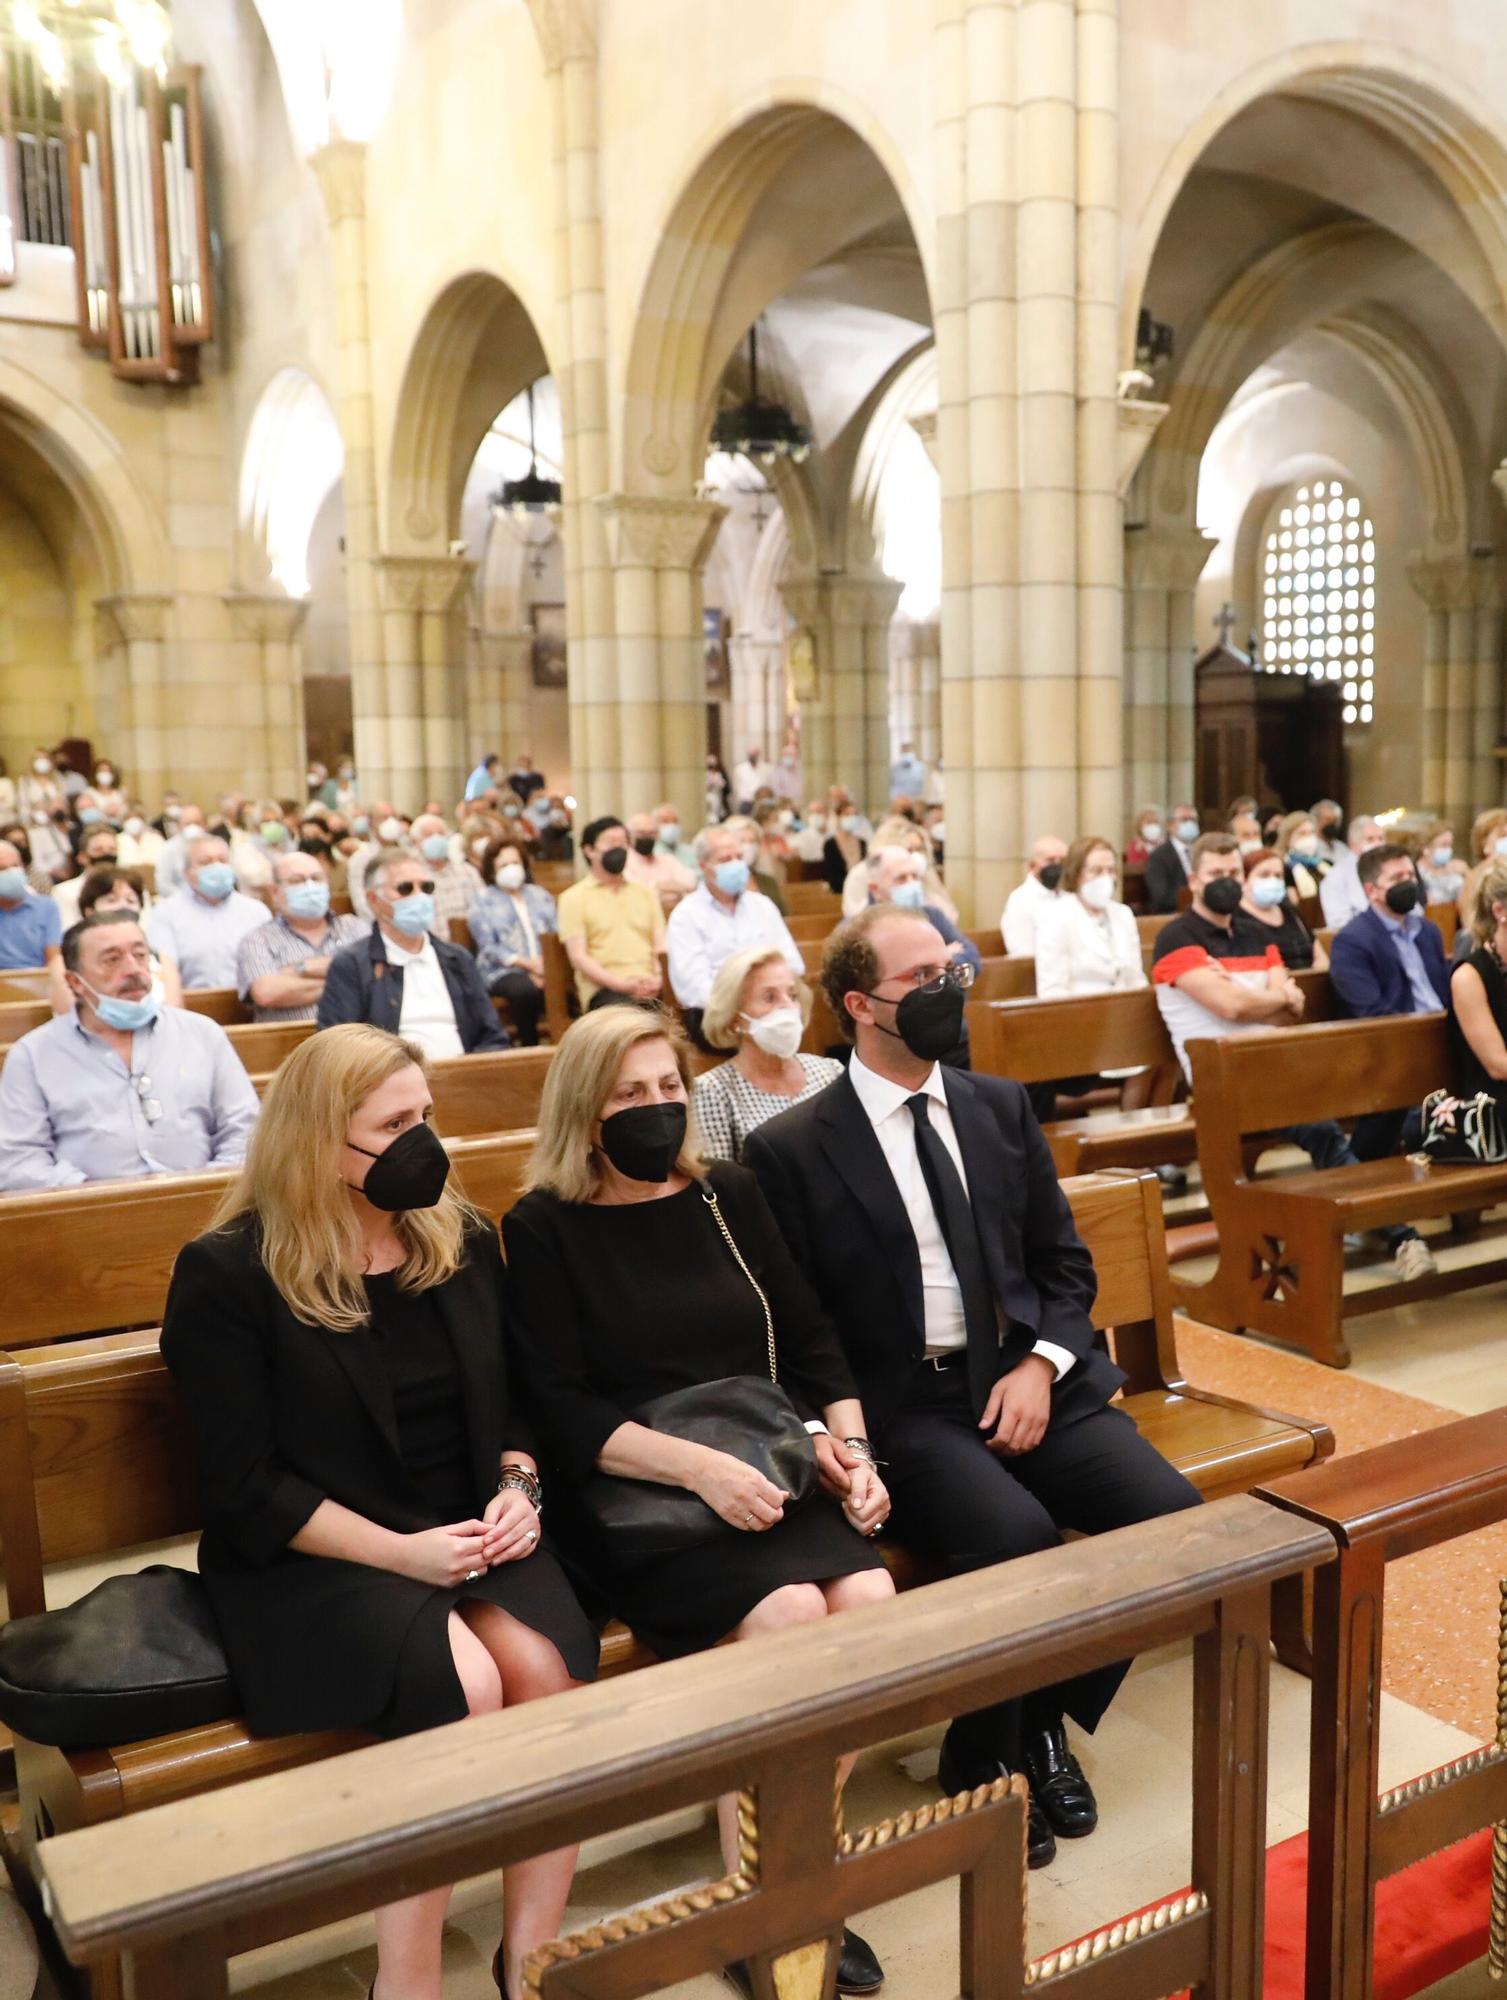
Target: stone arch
(291,462)
(1442,124)
(714,269)
(477,347)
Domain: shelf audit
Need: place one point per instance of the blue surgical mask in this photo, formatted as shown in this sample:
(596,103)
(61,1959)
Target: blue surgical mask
(361,824)
(1267,891)
(90,816)
(908,895)
(12,884)
(669,834)
(1304,853)
(307,899)
(731,877)
(1187,831)
(435,847)
(413,915)
(215,880)
(126,1015)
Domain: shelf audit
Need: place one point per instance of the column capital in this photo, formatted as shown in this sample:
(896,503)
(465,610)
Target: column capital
(566,30)
(1137,423)
(1458,583)
(340,168)
(864,600)
(265,614)
(925,428)
(140,614)
(1167,558)
(421,583)
(647,531)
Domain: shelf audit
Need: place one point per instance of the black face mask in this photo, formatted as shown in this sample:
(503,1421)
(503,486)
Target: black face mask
(1402,897)
(644,843)
(411,1173)
(1222,896)
(1051,875)
(929,1022)
(645,1141)
(615,860)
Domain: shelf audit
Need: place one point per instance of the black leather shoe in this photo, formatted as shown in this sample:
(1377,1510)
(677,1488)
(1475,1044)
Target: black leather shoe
(1173,1179)
(1041,1842)
(1057,1780)
(858,1970)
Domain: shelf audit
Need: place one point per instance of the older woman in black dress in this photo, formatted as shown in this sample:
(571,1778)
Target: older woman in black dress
(372,1545)
(624,1288)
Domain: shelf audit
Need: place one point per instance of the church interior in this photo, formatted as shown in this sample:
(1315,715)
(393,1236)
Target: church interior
(1045,423)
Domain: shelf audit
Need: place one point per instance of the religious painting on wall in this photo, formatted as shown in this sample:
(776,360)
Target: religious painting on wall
(719,680)
(802,656)
(548,650)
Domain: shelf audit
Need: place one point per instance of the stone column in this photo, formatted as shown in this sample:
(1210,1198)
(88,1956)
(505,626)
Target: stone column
(1162,565)
(658,548)
(425,677)
(845,730)
(871,604)
(266,625)
(499,667)
(757,706)
(341,170)
(1486,703)
(139,622)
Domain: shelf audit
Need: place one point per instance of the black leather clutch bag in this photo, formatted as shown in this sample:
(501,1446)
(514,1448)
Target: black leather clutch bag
(743,1415)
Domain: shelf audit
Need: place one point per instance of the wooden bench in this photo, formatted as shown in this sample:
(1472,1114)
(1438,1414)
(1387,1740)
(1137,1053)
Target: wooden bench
(95,1459)
(988,944)
(811,930)
(813,899)
(1281,1239)
(220,1003)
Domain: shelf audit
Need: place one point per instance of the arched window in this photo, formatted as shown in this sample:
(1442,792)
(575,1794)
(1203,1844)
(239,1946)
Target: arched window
(1318,591)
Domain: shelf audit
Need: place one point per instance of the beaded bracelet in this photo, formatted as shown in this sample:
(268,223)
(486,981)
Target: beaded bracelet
(518,1479)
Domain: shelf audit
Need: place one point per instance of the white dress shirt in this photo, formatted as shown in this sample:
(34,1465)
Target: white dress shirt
(884,1104)
(703,934)
(1341,896)
(428,1013)
(201,937)
(1024,909)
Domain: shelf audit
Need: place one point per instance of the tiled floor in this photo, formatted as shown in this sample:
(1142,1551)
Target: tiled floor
(1451,1352)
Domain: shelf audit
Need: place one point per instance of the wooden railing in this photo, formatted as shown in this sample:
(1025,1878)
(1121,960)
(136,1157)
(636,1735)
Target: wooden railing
(180,1890)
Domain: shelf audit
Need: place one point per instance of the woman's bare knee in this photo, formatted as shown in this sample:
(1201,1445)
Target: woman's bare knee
(475,1669)
(527,1664)
(792,1604)
(865,1586)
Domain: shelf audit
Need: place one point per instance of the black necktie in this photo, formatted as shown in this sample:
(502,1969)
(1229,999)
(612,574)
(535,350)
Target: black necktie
(954,1213)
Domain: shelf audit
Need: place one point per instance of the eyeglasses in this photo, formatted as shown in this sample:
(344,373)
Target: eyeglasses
(927,979)
(151,1107)
(413,888)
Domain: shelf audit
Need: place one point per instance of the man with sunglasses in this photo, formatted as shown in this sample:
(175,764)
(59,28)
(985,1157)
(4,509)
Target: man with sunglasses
(404,979)
(922,1203)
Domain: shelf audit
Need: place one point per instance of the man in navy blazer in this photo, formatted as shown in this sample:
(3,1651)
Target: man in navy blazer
(922,1204)
(1389,959)
(404,979)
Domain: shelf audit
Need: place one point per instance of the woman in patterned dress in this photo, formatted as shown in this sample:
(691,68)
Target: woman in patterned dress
(759,1009)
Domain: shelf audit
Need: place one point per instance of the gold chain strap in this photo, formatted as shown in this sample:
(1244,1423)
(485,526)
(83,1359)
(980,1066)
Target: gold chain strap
(708,1195)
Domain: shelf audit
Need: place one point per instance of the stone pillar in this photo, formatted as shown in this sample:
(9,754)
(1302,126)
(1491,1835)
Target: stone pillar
(1486,696)
(499,667)
(916,677)
(1162,565)
(266,625)
(757,707)
(658,548)
(139,622)
(845,729)
(341,170)
(871,604)
(425,677)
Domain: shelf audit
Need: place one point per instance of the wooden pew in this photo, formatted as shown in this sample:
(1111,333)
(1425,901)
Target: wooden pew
(988,944)
(23,983)
(812,929)
(95,1459)
(807,899)
(560,1003)
(262,1045)
(495,1092)
(220,1003)
(1281,1240)
(1151,928)
(1005,979)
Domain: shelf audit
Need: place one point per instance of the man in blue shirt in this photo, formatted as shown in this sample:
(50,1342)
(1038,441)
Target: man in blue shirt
(487,777)
(123,1087)
(907,775)
(31,931)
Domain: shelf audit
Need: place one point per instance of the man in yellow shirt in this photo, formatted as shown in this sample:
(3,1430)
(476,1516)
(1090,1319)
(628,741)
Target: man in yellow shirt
(612,929)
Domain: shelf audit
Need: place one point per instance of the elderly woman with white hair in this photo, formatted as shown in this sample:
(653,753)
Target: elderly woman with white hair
(898,832)
(759,1009)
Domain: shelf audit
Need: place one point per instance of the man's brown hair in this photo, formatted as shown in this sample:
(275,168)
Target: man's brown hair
(850,963)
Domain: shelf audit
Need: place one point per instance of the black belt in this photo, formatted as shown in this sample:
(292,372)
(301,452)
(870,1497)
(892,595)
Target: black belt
(955,1357)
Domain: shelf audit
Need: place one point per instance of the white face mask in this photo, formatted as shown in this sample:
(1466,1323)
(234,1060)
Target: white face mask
(135,827)
(390,830)
(1251,846)
(510,875)
(1098,891)
(777,1033)
(41,766)
(939,833)
(1151,833)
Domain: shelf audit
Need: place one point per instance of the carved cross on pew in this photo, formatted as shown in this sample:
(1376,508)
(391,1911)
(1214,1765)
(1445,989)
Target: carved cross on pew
(796,1880)
(1225,623)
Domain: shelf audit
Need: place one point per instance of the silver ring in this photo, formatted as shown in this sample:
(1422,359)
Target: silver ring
(748,1520)
(531,1536)
(471,1575)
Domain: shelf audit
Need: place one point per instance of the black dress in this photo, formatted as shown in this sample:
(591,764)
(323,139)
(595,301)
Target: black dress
(1292,937)
(1470,1072)
(835,863)
(403,1421)
(614,1305)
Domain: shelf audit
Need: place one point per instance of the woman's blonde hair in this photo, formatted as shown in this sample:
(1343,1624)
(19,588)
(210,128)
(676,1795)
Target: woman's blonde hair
(1288,825)
(727,993)
(581,1073)
(291,1181)
(1485,827)
(1492,888)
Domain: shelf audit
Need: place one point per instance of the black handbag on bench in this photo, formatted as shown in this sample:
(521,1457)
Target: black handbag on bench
(743,1415)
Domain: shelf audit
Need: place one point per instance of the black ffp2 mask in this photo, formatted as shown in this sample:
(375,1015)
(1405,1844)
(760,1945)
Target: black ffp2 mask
(1402,897)
(645,1141)
(1222,895)
(1051,875)
(929,1020)
(410,1173)
(615,860)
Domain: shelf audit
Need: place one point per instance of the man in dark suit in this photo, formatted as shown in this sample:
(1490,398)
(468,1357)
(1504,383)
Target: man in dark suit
(1388,960)
(1169,866)
(923,1205)
(403,978)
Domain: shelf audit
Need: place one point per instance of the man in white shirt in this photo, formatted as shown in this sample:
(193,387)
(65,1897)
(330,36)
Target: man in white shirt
(922,1205)
(405,979)
(1341,896)
(721,916)
(812,838)
(1036,894)
(748,777)
(99,848)
(200,927)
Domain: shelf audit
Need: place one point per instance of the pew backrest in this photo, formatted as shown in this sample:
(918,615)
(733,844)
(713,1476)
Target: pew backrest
(220,1003)
(1035,1041)
(497,1091)
(1005,979)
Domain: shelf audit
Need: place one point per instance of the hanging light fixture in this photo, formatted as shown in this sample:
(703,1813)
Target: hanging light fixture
(758,428)
(533,493)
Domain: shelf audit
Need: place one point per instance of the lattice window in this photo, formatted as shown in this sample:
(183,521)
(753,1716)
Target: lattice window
(1318,576)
